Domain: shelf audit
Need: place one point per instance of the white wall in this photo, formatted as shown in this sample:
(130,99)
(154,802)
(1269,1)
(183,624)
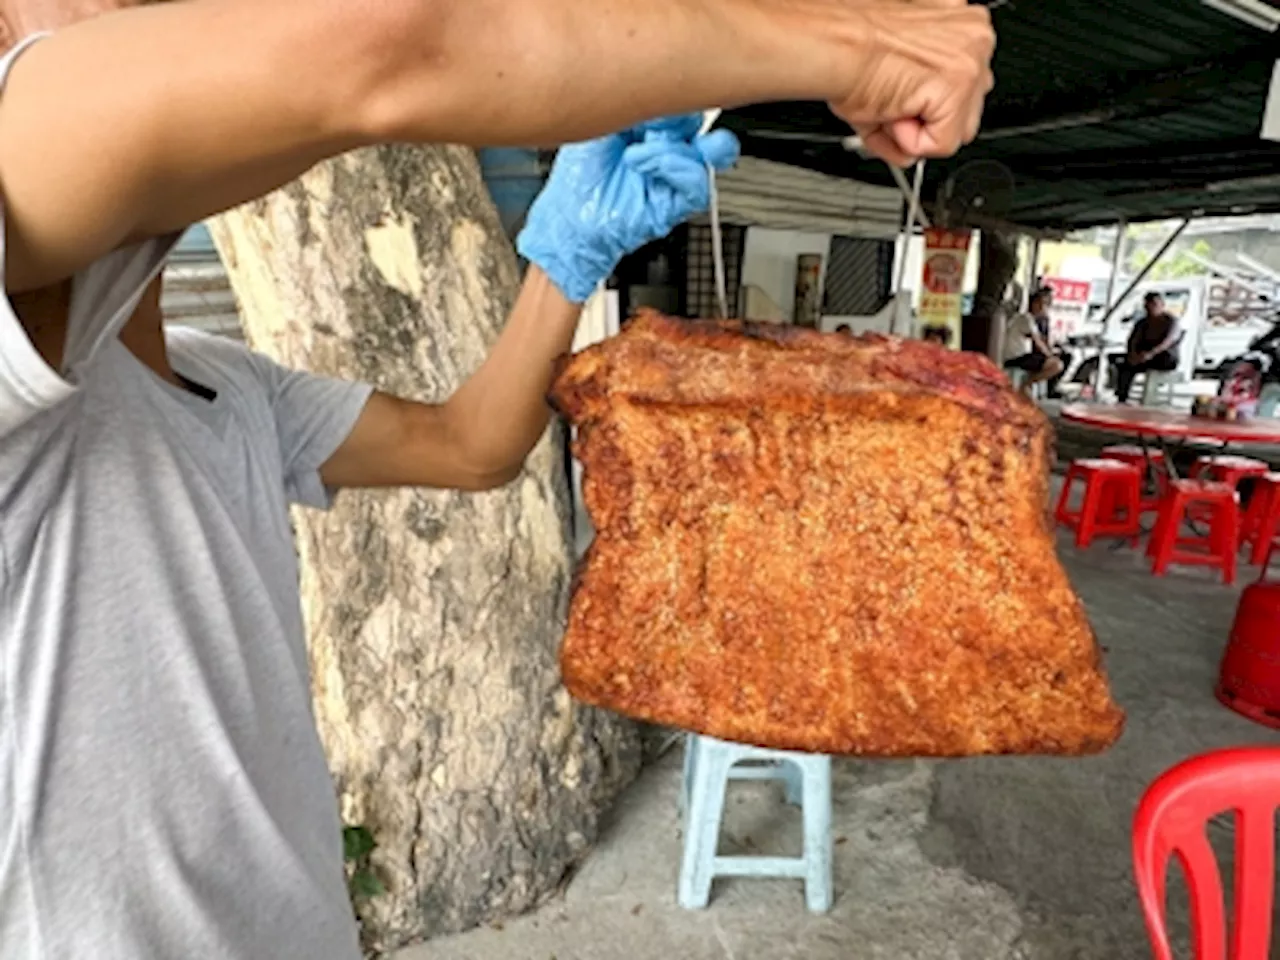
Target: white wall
(769,262)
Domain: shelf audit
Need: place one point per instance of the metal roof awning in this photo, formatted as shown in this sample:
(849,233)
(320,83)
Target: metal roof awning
(1141,109)
(765,194)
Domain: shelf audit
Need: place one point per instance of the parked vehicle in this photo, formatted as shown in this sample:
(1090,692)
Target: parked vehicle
(1217,328)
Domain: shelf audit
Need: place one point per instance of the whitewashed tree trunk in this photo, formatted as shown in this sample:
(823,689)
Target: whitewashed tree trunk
(434,618)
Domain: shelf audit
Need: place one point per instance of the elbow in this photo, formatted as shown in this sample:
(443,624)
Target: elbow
(403,54)
(494,478)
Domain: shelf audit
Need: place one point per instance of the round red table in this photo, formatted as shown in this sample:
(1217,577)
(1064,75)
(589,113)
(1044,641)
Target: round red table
(1169,425)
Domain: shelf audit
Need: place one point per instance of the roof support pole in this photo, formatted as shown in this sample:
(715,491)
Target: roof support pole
(1113,302)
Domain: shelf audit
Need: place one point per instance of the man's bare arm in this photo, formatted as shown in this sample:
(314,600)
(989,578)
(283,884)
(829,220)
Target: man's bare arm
(479,438)
(145,120)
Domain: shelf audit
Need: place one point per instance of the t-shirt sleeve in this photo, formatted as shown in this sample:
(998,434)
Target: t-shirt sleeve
(103,295)
(314,414)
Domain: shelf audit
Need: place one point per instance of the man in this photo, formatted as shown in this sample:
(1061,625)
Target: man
(162,785)
(1153,345)
(1031,329)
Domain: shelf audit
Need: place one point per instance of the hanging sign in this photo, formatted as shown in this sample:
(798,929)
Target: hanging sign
(1070,306)
(945,254)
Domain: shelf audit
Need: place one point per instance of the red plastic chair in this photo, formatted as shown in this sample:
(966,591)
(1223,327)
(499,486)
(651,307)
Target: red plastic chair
(1214,503)
(1228,469)
(1111,506)
(1172,821)
(1152,465)
(1261,522)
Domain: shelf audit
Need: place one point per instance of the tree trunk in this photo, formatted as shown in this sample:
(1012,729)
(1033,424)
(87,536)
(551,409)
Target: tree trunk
(434,618)
(999,253)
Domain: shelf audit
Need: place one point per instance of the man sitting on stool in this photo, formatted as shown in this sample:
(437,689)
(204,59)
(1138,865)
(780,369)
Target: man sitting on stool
(1153,346)
(1040,363)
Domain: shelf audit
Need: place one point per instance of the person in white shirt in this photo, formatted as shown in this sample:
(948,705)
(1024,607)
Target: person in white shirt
(1026,344)
(163,792)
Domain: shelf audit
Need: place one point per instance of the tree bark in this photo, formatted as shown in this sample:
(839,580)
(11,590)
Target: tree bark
(999,253)
(434,617)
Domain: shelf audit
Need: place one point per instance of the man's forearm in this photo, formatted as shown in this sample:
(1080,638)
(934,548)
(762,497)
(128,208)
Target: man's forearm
(143,121)
(506,71)
(501,411)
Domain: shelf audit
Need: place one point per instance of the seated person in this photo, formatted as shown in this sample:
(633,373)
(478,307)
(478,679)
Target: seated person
(1153,345)
(1031,330)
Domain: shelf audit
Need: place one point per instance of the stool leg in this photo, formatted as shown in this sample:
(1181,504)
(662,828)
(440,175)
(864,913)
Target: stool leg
(1261,530)
(1157,531)
(686,782)
(702,826)
(1089,513)
(1063,515)
(1230,518)
(1250,518)
(1163,546)
(817,833)
(1262,537)
(793,781)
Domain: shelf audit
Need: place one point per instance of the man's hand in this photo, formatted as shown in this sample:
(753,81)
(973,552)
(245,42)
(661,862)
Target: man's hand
(918,86)
(609,197)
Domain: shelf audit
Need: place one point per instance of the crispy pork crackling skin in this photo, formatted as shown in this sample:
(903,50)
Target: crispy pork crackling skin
(823,543)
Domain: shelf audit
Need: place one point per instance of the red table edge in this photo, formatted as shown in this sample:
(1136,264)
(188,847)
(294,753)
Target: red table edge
(1181,425)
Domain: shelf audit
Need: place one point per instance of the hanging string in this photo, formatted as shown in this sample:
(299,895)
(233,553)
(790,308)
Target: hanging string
(717,237)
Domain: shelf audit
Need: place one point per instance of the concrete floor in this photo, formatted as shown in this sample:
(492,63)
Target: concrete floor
(991,859)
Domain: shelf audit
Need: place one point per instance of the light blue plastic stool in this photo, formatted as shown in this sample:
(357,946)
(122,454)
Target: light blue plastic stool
(709,765)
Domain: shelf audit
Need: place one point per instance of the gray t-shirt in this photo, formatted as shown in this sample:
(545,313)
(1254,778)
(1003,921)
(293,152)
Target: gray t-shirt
(163,792)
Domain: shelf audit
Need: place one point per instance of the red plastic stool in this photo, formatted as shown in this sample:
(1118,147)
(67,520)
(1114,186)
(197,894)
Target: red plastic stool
(1151,464)
(1261,521)
(1249,681)
(1218,505)
(1112,505)
(1228,470)
(1172,821)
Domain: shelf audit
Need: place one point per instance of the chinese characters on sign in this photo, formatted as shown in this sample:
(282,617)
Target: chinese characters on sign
(1070,306)
(945,255)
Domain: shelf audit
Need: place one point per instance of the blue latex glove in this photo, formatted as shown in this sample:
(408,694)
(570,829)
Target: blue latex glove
(606,198)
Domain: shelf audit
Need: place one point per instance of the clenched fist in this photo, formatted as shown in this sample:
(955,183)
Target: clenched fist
(918,79)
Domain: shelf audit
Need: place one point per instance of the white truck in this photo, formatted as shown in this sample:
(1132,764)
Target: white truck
(1219,319)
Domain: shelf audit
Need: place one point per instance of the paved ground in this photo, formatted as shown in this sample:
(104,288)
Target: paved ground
(1000,859)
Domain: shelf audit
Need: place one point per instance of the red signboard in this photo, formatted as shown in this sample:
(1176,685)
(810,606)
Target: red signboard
(946,252)
(1070,306)
(1068,291)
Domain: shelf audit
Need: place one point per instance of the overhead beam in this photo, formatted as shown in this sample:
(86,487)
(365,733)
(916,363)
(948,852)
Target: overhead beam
(1127,95)
(1182,158)
(1124,95)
